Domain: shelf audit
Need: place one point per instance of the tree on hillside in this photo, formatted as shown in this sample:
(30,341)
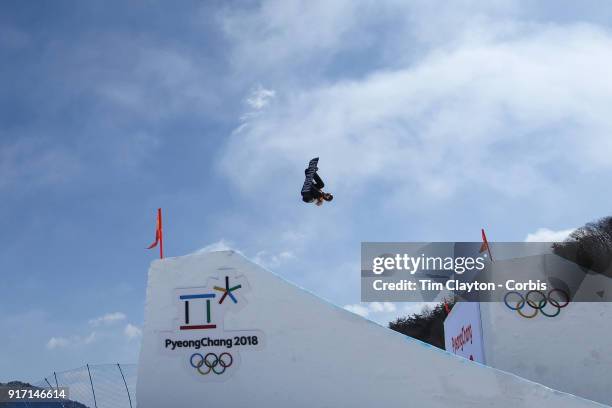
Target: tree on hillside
(427,326)
(589,246)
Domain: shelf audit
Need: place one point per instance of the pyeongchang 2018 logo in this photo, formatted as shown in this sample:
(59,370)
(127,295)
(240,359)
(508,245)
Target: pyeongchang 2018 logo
(199,337)
(464,337)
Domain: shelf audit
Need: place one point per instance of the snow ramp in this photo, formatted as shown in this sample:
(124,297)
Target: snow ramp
(221,331)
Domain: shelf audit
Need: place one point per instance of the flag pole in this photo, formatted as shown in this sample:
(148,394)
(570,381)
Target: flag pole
(161,234)
(486,243)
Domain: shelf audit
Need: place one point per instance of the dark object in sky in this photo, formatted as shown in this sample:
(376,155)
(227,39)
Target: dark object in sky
(310,180)
(313,185)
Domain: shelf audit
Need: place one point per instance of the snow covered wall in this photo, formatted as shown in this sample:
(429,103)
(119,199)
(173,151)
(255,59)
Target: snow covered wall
(221,331)
(570,351)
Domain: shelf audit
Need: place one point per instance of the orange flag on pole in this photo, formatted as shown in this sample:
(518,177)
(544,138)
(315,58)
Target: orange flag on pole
(159,236)
(485,245)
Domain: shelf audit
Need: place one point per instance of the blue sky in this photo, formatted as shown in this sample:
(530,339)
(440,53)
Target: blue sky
(432,120)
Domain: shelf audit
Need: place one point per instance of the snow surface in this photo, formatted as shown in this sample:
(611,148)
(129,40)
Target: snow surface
(314,353)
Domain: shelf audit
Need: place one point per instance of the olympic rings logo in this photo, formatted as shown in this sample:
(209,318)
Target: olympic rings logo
(211,362)
(538,305)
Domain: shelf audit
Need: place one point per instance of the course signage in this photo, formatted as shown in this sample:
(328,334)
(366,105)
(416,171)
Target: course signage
(463,332)
(199,338)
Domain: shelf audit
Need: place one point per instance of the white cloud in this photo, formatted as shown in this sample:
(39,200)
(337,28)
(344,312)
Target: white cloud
(260,97)
(132,332)
(548,235)
(378,307)
(62,342)
(57,342)
(358,309)
(268,260)
(366,309)
(107,319)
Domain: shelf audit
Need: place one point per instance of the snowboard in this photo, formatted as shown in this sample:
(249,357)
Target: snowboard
(310,171)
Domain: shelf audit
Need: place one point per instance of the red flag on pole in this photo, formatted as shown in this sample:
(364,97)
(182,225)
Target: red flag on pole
(446,308)
(485,245)
(159,236)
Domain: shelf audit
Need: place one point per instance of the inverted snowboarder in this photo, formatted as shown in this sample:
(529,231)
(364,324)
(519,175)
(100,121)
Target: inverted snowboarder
(312,190)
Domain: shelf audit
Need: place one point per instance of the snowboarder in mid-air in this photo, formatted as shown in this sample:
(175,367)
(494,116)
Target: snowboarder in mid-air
(313,185)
